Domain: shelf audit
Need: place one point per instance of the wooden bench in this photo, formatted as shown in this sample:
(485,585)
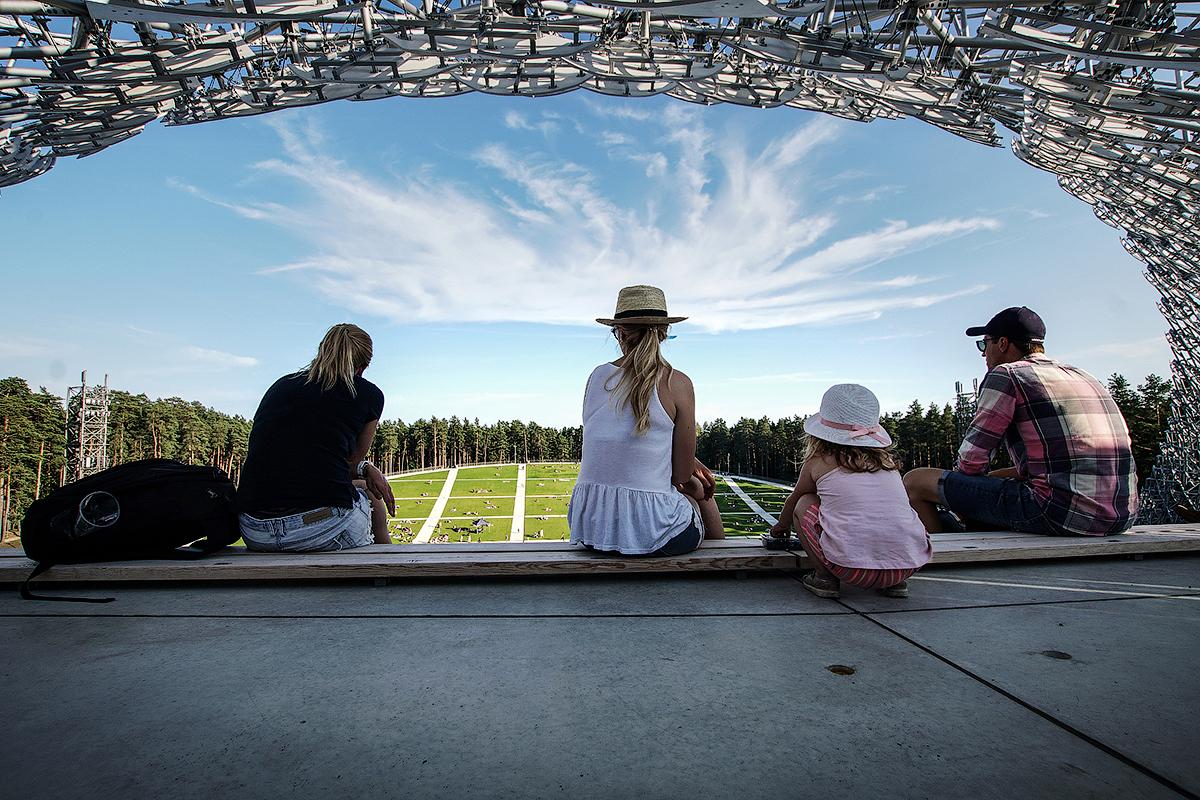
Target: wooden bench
(562,558)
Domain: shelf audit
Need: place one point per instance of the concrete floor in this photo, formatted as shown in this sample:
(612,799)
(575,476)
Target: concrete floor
(1057,679)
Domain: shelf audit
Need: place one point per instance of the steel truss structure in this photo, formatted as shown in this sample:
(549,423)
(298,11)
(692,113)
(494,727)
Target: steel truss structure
(1104,93)
(87,429)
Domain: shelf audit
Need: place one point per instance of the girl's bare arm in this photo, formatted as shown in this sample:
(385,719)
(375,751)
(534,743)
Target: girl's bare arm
(804,485)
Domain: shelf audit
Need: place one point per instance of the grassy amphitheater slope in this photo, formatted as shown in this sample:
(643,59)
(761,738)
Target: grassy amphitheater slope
(489,493)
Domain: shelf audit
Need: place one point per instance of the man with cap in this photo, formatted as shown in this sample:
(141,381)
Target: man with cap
(1073,471)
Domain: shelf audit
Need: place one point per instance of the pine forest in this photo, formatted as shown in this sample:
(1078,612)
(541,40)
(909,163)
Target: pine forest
(33,461)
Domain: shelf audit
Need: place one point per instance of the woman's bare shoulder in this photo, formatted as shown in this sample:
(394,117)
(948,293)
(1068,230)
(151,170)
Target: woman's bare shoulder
(677,379)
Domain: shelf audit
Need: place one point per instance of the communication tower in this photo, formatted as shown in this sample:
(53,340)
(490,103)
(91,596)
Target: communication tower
(964,407)
(87,428)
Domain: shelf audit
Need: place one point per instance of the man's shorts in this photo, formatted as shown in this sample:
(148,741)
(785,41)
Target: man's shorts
(320,529)
(1004,503)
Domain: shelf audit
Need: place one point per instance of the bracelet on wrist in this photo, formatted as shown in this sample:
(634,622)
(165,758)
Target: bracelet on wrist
(362,467)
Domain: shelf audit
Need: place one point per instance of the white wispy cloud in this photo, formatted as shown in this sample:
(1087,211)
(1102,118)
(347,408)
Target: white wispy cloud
(27,347)
(218,358)
(783,377)
(870,194)
(726,229)
(519,122)
(1151,347)
(894,336)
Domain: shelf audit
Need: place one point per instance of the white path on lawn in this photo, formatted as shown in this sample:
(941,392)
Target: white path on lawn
(438,507)
(517,534)
(748,500)
(768,482)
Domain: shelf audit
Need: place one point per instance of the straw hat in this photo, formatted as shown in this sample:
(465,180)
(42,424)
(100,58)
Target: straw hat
(641,305)
(849,415)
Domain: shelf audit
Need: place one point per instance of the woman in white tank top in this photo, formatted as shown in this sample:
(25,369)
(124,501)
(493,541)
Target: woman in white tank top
(641,490)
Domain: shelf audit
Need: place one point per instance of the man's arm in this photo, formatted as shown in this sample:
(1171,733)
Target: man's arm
(993,415)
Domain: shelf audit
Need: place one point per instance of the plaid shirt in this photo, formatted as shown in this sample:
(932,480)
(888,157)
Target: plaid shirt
(1065,436)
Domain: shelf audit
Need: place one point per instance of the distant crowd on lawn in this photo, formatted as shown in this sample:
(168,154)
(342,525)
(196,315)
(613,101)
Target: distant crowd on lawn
(307,485)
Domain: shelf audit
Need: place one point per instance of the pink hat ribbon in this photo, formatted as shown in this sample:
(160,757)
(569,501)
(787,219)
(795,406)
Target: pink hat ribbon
(857,430)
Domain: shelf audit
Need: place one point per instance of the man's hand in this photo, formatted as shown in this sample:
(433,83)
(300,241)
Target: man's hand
(379,488)
(1007,472)
(705,476)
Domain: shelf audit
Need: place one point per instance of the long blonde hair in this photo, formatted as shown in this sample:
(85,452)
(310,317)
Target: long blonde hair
(344,351)
(851,458)
(641,371)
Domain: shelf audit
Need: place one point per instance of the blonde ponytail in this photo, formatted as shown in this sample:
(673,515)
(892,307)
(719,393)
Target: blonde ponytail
(344,351)
(642,369)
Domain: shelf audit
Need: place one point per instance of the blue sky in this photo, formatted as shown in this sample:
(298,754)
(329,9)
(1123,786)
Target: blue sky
(476,237)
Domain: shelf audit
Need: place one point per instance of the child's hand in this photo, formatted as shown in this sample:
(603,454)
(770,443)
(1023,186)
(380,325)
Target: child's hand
(780,530)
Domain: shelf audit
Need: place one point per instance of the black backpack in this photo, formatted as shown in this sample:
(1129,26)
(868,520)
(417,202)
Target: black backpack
(144,509)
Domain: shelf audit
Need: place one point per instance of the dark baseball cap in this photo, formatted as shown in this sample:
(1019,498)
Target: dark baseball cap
(1019,324)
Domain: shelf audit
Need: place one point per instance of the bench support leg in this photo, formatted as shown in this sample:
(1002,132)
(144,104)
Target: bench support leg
(381,581)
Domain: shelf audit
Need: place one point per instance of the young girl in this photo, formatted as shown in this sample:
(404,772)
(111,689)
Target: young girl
(849,505)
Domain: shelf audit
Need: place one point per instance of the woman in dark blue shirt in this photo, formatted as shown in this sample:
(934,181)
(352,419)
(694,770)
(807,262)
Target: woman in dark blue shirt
(306,483)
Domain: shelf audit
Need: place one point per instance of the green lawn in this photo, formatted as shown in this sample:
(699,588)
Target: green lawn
(419,507)
(731,503)
(462,531)
(435,475)
(487,472)
(548,490)
(414,488)
(483,488)
(750,486)
(549,485)
(570,471)
(480,506)
(745,526)
(425,494)
(550,529)
(770,503)
(546,505)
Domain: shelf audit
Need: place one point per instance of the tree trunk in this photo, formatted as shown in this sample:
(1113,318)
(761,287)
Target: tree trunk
(37,487)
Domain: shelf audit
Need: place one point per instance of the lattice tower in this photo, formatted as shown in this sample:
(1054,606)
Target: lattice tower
(964,407)
(87,428)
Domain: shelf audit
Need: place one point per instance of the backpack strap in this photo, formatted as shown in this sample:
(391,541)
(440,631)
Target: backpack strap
(199,548)
(38,570)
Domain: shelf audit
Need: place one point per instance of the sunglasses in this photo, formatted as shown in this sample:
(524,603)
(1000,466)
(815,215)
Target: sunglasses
(983,343)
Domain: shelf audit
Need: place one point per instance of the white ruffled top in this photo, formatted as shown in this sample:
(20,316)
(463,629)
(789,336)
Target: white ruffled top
(624,500)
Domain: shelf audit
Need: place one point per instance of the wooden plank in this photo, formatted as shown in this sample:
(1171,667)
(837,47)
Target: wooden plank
(563,558)
(528,546)
(267,566)
(1008,548)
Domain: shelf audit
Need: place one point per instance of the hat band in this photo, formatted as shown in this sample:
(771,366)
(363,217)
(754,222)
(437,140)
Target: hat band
(857,431)
(640,312)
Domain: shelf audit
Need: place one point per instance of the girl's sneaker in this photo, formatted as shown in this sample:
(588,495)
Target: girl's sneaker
(899,590)
(820,586)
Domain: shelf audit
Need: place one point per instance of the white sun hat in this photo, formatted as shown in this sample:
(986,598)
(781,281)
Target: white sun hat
(849,415)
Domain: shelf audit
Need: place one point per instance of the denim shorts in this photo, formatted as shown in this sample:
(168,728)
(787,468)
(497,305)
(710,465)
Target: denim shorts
(320,529)
(685,541)
(1005,503)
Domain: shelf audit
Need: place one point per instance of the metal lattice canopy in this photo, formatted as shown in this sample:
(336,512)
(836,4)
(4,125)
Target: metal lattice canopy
(1104,94)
